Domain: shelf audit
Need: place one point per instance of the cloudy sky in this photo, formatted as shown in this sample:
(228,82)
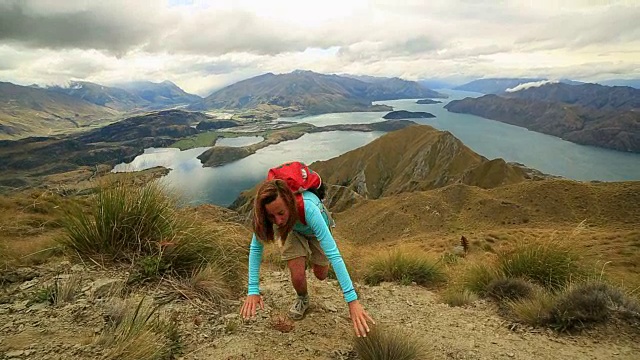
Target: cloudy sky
(202,45)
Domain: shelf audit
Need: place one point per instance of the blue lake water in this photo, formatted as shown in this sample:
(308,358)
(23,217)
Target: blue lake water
(489,138)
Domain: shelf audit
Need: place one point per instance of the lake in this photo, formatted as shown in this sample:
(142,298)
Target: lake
(489,138)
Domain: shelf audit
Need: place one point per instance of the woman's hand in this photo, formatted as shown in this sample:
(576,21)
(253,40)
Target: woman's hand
(251,303)
(359,317)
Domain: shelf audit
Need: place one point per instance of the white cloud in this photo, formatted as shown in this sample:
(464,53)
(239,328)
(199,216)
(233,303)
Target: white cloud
(202,45)
(531,85)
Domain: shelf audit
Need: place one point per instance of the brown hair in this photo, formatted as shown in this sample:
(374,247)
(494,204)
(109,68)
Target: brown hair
(267,193)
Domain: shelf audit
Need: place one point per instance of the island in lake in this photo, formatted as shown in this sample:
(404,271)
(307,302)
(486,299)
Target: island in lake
(403,114)
(428,102)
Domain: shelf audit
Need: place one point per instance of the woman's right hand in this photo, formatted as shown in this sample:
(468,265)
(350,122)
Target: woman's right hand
(251,303)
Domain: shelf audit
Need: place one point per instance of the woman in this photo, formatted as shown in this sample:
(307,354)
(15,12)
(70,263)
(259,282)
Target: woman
(275,204)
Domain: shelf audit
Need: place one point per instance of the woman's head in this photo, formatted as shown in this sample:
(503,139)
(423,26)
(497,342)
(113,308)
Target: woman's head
(275,204)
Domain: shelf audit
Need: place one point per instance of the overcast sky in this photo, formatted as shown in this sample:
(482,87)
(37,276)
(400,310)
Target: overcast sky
(202,45)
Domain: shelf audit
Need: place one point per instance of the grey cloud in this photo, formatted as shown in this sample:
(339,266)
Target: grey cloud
(578,30)
(113,28)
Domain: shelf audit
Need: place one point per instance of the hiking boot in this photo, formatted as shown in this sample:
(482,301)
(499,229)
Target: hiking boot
(299,307)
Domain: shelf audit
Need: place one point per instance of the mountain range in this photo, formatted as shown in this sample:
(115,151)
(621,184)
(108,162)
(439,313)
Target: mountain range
(36,111)
(588,114)
(307,92)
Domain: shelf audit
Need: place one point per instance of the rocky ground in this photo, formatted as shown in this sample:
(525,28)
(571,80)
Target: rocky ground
(31,329)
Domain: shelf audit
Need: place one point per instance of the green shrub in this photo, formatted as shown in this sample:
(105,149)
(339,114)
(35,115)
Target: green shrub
(403,267)
(548,264)
(384,343)
(509,289)
(478,277)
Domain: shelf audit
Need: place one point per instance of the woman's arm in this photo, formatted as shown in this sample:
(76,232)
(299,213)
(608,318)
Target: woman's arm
(359,317)
(253,300)
(317,223)
(255,258)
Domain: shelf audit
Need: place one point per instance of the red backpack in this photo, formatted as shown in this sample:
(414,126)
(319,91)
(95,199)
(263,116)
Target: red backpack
(299,178)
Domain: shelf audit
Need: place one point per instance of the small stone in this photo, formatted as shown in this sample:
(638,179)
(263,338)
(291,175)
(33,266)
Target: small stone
(105,287)
(511,354)
(14,353)
(28,284)
(20,305)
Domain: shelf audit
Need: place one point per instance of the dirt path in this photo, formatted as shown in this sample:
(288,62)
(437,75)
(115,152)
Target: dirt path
(475,332)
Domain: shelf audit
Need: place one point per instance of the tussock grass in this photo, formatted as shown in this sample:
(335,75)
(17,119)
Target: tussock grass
(458,297)
(590,302)
(137,332)
(62,291)
(534,310)
(575,307)
(403,267)
(478,277)
(509,289)
(208,284)
(548,263)
(143,226)
(386,343)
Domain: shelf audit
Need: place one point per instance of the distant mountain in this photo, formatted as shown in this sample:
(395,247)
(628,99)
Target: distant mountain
(160,95)
(111,97)
(389,88)
(586,114)
(27,111)
(494,86)
(634,83)
(592,96)
(306,92)
(501,85)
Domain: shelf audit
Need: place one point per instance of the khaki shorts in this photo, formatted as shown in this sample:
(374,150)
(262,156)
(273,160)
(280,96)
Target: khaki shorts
(298,245)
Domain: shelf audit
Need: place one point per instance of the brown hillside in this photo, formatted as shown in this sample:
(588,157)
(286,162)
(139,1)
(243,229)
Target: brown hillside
(415,158)
(606,215)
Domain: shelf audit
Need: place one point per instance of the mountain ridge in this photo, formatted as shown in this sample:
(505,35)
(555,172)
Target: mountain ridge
(307,92)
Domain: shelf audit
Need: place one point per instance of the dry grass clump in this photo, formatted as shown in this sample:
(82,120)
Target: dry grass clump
(547,263)
(576,307)
(403,267)
(533,310)
(509,289)
(143,226)
(385,343)
(208,284)
(135,331)
(62,291)
(588,303)
(478,277)
(458,297)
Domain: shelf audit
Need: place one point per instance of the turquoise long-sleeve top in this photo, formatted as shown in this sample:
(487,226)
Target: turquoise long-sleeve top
(318,225)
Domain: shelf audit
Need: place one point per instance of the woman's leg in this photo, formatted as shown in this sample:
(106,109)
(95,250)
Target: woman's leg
(298,276)
(320,271)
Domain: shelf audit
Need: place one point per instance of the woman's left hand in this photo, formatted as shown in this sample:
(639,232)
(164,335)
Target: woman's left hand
(359,317)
